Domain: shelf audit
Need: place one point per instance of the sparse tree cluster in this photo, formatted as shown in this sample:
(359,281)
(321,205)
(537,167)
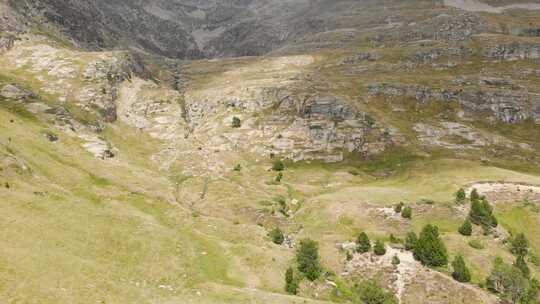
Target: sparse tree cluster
(406,212)
(511,285)
(481,212)
(363,245)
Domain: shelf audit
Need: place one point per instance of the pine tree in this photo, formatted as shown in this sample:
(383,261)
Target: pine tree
(461,272)
(307,257)
(519,245)
(410,241)
(291,284)
(236,122)
(460,196)
(474,195)
(466,228)
(379,248)
(430,249)
(363,244)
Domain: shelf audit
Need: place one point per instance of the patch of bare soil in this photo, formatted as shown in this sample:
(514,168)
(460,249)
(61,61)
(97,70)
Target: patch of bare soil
(410,279)
(500,192)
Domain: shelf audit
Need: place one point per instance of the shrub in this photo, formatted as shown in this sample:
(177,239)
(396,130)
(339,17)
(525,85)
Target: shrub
(291,284)
(363,244)
(398,207)
(283,208)
(279,177)
(466,228)
(238,168)
(277,236)
(460,195)
(522,265)
(476,244)
(370,293)
(410,240)
(354,172)
(278,165)
(236,122)
(461,272)
(308,261)
(395,260)
(430,249)
(379,248)
(394,239)
(519,245)
(406,213)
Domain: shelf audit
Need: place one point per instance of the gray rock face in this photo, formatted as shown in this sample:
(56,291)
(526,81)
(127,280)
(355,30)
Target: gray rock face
(179,28)
(6,43)
(508,106)
(229,28)
(514,51)
(326,128)
(326,107)
(453,28)
(13,92)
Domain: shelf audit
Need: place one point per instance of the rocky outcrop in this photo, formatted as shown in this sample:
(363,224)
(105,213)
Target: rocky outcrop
(513,51)
(453,28)
(326,128)
(359,58)
(11,91)
(508,106)
(7,42)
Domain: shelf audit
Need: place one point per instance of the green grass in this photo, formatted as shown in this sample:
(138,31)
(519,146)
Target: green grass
(116,231)
(521,219)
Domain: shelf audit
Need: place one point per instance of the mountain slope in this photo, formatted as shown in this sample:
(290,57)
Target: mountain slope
(125,176)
